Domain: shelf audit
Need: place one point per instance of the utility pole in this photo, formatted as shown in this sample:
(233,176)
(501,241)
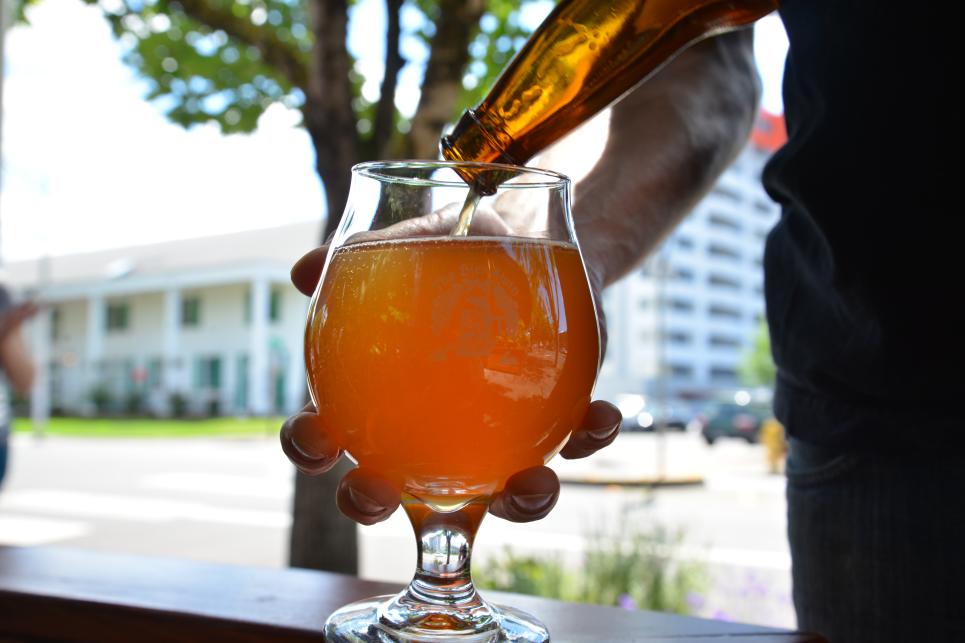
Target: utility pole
(660,269)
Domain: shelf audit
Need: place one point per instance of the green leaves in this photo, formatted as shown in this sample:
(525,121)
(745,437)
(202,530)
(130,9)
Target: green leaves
(757,366)
(500,36)
(222,61)
(227,61)
(20,10)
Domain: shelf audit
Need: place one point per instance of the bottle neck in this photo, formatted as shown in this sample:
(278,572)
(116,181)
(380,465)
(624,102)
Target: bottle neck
(477,137)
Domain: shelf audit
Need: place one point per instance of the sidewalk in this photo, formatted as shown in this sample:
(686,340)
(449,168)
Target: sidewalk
(640,459)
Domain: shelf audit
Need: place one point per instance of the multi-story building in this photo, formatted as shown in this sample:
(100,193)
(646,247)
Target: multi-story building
(678,327)
(201,326)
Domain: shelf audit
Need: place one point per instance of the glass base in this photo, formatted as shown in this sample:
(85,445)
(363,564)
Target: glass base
(365,622)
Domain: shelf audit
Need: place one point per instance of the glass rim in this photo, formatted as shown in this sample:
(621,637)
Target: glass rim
(371,169)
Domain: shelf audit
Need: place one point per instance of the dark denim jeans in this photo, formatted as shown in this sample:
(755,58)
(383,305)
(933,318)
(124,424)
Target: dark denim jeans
(3,458)
(877,544)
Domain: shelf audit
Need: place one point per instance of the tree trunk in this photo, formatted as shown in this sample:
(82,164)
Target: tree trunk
(321,538)
(442,84)
(328,113)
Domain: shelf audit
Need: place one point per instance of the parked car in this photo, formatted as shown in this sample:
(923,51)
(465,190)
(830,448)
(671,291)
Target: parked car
(655,416)
(732,420)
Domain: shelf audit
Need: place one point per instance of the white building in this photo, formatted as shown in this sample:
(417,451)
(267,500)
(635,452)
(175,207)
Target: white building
(692,310)
(200,326)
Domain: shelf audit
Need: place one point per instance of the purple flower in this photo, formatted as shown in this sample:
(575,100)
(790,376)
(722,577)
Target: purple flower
(695,601)
(721,615)
(625,601)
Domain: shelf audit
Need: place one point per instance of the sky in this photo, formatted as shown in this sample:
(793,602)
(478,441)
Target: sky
(89,164)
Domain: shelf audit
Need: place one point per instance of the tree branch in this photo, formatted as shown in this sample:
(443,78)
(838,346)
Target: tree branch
(276,53)
(442,83)
(385,110)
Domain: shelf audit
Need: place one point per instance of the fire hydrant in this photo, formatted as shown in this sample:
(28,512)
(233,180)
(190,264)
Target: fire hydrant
(775,446)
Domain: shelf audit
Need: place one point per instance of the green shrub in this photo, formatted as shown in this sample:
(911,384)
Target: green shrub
(134,402)
(178,404)
(639,569)
(625,567)
(102,398)
(536,576)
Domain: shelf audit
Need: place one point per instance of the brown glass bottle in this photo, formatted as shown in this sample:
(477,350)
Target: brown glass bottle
(585,55)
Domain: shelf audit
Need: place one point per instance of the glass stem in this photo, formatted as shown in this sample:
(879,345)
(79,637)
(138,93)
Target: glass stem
(444,542)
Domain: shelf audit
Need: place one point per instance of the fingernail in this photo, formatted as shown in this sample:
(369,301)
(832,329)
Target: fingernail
(602,434)
(364,503)
(531,503)
(303,453)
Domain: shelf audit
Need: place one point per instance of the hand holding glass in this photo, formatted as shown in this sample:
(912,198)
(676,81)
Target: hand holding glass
(445,364)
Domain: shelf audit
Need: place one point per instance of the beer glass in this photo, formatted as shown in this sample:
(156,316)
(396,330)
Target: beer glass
(445,363)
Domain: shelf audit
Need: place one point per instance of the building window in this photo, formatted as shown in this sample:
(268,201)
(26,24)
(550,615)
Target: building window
(721,311)
(207,373)
(55,322)
(246,307)
(679,337)
(681,371)
(723,281)
(274,305)
(679,273)
(679,305)
(131,377)
(152,378)
(191,311)
(685,242)
(117,317)
(724,341)
(727,193)
(241,383)
(723,252)
(764,207)
(723,222)
(722,373)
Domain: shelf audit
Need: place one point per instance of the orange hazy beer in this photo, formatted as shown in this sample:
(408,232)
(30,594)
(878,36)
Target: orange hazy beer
(448,364)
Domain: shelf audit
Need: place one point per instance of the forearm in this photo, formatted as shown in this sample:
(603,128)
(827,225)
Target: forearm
(668,142)
(16,362)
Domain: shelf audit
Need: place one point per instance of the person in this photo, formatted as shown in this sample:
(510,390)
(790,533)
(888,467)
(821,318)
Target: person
(16,366)
(775,445)
(868,354)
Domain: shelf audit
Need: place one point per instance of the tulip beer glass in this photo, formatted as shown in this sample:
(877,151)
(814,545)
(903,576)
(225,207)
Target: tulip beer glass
(446,362)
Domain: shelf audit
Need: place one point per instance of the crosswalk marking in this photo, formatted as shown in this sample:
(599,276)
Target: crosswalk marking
(28,531)
(220,484)
(80,504)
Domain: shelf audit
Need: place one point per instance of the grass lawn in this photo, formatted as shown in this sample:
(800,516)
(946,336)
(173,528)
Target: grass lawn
(154,428)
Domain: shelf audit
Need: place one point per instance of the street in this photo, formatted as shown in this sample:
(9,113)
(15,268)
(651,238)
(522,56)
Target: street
(228,501)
